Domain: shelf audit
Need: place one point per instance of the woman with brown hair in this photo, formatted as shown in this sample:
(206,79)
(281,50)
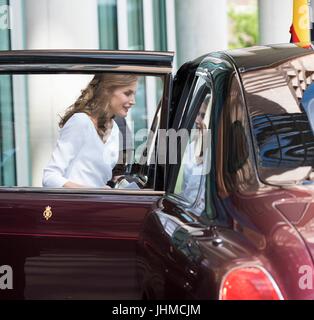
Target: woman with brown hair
(88,146)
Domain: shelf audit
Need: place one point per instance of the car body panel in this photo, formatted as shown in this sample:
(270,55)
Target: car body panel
(260,57)
(253,225)
(64,256)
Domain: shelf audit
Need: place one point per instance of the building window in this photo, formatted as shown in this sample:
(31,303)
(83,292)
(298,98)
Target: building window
(160,25)
(4,23)
(135,25)
(7,145)
(107,20)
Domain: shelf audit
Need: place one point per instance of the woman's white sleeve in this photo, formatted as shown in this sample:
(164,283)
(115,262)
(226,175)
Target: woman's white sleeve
(70,142)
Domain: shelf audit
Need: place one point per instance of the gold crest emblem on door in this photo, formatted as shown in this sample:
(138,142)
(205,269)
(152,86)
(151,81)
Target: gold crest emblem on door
(47,213)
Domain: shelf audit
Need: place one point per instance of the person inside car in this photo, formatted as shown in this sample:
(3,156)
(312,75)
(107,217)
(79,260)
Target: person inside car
(88,145)
(193,186)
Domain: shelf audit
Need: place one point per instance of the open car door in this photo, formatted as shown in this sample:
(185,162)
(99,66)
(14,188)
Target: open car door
(68,243)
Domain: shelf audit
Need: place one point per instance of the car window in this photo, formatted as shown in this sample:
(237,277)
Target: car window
(148,156)
(196,93)
(234,158)
(195,161)
(32,107)
(280,105)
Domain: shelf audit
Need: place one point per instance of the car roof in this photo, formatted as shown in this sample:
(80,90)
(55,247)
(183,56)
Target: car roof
(265,56)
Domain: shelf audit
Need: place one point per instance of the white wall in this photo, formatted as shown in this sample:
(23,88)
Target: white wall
(275,21)
(201,27)
(61,24)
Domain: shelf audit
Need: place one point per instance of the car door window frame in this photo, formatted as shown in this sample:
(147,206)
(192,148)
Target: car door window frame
(91,68)
(191,109)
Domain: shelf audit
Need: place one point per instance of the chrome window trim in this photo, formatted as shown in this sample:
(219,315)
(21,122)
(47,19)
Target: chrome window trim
(95,191)
(50,67)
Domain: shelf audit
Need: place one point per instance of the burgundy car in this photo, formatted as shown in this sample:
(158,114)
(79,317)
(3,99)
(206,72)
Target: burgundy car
(226,213)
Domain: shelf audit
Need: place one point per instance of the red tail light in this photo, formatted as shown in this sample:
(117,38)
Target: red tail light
(249,283)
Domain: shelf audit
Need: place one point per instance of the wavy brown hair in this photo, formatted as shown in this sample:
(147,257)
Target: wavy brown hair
(95,100)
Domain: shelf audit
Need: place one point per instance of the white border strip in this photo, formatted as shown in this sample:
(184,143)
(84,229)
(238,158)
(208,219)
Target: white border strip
(122,17)
(123,32)
(17,32)
(149,44)
(148,18)
(171,29)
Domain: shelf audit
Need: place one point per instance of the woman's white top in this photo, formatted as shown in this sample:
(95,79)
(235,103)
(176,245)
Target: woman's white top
(81,156)
(191,175)
(193,182)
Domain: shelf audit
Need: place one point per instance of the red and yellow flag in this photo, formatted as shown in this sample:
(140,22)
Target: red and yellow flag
(300,29)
